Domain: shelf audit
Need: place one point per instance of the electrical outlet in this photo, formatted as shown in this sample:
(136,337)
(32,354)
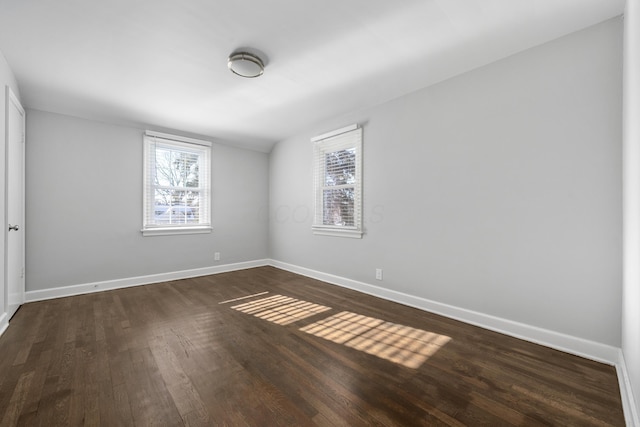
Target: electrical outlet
(216,256)
(378,274)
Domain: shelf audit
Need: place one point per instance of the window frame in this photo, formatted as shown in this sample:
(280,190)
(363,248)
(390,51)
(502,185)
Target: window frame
(204,150)
(348,137)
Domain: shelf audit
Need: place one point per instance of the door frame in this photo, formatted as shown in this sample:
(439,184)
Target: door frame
(13,101)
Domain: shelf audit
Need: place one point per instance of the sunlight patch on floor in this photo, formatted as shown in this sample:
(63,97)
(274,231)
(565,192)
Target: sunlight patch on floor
(400,344)
(244,297)
(280,309)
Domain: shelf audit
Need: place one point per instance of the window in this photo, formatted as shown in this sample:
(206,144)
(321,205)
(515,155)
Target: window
(338,183)
(177,194)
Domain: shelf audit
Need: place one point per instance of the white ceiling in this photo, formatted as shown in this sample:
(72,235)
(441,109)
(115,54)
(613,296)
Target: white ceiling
(162,63)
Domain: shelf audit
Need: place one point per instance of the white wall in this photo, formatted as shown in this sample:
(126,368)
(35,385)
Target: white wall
(84,206)
(631,289)
(6,79)
(497,191)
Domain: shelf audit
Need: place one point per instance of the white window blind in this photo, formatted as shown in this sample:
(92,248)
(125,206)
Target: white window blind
(177,185)
(338,182)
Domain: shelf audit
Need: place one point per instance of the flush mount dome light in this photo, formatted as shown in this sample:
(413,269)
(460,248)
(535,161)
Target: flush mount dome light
(246,64)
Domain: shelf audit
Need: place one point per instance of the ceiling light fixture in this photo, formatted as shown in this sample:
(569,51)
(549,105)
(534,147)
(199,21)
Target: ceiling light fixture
(246,64)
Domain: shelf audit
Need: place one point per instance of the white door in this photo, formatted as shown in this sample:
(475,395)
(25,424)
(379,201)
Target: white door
(15,128)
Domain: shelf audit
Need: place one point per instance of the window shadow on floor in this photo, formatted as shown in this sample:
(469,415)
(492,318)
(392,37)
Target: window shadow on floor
(400,344)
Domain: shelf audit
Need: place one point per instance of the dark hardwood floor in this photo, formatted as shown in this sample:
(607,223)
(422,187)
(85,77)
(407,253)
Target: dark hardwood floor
(296,352)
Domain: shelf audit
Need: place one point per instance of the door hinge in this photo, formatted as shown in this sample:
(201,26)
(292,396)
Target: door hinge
(22,273)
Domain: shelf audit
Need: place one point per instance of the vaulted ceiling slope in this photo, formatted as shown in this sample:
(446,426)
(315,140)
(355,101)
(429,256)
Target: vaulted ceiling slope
(162,63)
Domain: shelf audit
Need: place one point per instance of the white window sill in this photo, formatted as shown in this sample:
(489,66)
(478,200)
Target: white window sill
(169,231)
(338,232)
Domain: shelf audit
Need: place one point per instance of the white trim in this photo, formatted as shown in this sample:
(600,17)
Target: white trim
(337,232)
(335,132)
(631,416)
(204,152)
(567,343)
(321,148)
(4,323)
(556,340)
(630,210)
(178,138)
(159,231)
(86,288)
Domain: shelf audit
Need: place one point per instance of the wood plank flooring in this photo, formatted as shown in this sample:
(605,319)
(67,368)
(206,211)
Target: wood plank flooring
(265,347)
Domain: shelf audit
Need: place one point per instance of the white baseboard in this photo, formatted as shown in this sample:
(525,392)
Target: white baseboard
(574,345)
(566,343)
(67,291)
(631,415)
(4,323)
